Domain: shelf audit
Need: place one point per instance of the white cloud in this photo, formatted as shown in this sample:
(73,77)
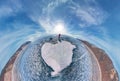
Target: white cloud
(5,11)
(10,8)
(52,5)
(45,19)
(53,27)
(88,15)
(47,24)
(34,36)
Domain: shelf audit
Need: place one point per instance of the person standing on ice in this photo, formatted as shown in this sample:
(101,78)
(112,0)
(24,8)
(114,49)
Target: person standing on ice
(59,37)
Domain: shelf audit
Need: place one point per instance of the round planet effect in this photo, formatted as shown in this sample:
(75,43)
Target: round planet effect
(59,40)
(53,59)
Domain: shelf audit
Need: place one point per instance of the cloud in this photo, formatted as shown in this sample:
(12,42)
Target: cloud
(10,8)
(88,14)
(5,11)
(53,27)
(46,20)
(52,5)
(82,12)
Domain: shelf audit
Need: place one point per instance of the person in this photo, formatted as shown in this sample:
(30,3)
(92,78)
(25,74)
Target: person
(59,37)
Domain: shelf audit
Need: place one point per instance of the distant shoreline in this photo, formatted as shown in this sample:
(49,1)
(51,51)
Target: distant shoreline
(6,74)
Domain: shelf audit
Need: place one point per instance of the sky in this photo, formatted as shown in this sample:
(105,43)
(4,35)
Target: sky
(96,21)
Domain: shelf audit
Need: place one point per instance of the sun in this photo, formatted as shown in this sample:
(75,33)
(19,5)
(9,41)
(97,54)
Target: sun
(59,28)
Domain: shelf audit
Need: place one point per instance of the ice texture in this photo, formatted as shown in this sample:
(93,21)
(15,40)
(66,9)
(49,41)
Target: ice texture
(31,66)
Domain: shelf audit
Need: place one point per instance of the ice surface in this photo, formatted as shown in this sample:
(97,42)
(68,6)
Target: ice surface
(58,56)
(32,66)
